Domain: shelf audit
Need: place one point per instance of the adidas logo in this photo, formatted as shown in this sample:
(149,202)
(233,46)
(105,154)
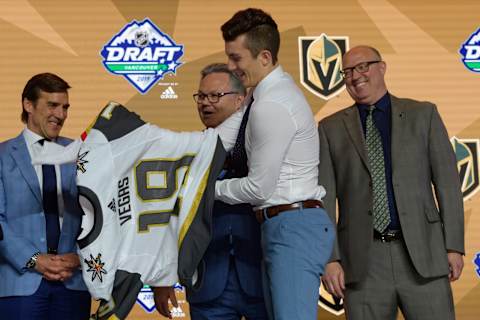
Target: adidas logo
(177,312)
(112,206)
(169,94)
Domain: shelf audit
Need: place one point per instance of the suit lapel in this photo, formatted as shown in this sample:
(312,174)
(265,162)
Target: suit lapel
(355,131)
(67,170)
(22,158)
(399,122)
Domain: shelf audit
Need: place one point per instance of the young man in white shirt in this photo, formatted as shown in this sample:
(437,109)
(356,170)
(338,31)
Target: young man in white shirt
(282,182)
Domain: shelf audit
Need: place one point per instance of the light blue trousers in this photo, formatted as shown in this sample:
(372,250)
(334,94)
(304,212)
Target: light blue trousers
(296,246)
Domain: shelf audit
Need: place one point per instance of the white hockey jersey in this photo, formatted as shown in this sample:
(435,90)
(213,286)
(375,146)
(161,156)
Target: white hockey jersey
(147,195)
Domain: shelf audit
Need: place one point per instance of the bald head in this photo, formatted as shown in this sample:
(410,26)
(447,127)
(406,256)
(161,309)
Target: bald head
(375,53)
(365,74)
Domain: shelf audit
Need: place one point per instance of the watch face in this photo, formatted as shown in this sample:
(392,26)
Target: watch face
(31,263)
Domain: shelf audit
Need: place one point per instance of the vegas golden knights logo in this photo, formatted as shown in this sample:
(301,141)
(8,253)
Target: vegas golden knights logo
(466,152)
(330,303)
(321,63)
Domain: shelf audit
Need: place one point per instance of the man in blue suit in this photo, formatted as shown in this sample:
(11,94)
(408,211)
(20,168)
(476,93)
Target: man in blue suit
(39,215)
(231,286)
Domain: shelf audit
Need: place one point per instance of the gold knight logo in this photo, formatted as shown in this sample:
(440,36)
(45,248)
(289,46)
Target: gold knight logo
(321,63)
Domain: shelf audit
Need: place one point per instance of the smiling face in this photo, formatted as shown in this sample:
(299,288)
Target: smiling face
(213,114)
(368,87)
(250,70)
(47,115)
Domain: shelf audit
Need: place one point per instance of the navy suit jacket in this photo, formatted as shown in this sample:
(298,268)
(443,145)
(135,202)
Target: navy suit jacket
(23,223)
(234,228)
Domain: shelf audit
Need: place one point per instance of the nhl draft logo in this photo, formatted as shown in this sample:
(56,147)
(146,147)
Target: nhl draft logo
(470,52)
(95,266)
(330,303)
(142,54)
(320,64)
(476,261)
(466,152)
(145,299)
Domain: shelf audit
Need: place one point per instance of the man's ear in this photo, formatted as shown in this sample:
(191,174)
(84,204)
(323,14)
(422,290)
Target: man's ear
(239,101)
(265,58)
(28,105)
(383,67)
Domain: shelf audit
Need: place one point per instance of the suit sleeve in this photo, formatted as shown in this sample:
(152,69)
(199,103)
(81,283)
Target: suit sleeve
(326,178)
(14,248)
(446,181)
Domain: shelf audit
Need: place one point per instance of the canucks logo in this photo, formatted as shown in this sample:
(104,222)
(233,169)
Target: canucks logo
(466,152)
(470,51)
(142,54)
(476,261)
(321,63)
(330,303)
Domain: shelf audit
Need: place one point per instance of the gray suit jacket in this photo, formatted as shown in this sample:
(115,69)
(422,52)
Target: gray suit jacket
(422,156)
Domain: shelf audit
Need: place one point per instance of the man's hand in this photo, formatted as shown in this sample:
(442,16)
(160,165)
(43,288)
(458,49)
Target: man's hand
(70,262)
(50,267)
(161,296)
(333,279)
(57,267)
(455,262)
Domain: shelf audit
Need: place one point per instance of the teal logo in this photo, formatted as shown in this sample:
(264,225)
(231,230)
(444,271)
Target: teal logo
(320,64)
(466,152)
(470,51)
(142,54)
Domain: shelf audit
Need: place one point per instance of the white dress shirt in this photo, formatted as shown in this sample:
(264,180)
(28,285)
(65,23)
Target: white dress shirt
(282,144)
(35,149)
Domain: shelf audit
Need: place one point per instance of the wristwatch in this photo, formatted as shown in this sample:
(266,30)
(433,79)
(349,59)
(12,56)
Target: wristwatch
(33,261)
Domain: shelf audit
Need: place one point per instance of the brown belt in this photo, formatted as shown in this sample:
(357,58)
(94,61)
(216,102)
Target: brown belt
(271,212)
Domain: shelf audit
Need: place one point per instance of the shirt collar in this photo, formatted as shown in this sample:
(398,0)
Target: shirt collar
(265,82)
(31,137)
(381,104)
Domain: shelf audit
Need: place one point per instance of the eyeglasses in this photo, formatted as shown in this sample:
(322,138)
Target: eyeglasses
(360,68)
(211,97)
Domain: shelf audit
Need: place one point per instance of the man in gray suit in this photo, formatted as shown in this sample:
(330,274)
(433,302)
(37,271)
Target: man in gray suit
(398,244)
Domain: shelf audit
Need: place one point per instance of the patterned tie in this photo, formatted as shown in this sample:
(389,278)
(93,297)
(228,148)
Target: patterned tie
(50,205)
(381,214)
(237,158)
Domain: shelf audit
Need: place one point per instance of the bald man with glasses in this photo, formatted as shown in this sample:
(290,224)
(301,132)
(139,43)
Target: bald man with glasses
(398,246)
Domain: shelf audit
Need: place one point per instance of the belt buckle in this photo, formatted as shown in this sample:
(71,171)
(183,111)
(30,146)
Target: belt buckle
(51,251)
(384,238)
(265,215)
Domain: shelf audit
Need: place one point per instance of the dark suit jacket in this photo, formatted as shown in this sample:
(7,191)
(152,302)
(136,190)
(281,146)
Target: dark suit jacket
(240,221)
(22,219)
(422,156)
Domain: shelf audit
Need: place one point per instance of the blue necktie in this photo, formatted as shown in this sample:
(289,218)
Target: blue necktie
(50,206)
(237,158)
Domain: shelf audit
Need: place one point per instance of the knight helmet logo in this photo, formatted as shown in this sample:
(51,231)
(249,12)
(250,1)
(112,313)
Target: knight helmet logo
(466,152)
(321,63)
(330,303)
